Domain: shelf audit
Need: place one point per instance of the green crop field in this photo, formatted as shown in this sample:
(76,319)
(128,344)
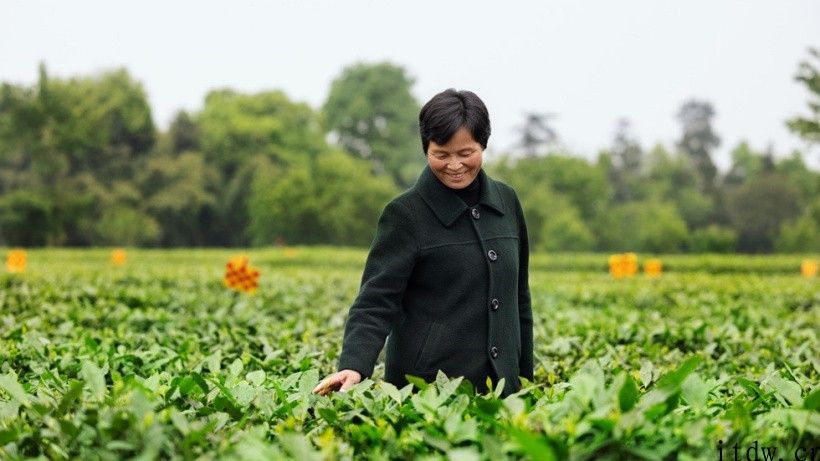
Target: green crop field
(157,359)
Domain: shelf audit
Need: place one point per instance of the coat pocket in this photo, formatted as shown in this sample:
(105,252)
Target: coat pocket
(428,347)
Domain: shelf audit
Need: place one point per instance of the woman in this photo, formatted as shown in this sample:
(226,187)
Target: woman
(446,279)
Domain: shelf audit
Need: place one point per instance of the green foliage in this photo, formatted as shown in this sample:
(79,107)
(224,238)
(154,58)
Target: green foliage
(26,218)
(624,164)
(241,133)
(336,201)
(374,115)
(180,194)
(809,127)
(122,225)
(82,164)
(746,165)
(642,226)
(759,208)
(184,133)
(556,224)
(71,144)
(803,234)
(235,127)
(713,239)
(698,139)
(157,360)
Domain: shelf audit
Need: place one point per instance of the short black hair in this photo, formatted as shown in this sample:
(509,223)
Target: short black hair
(450,110)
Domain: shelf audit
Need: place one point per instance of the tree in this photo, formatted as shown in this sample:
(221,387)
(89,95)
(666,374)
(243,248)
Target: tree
(803,234)
(698,139)
(536,133)
(673,178)
(72,143)
(235,127)
(662,230)
(373,115)
(184,133)
(758,208)
(650,226)
(335,201)
(625,165)
(713,239)
(808,127)
(26,219)
(746,165)
(806,181)
(180,195)
(556,224)
(241,133)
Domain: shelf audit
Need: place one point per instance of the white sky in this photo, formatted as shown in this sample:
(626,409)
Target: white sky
(589,62)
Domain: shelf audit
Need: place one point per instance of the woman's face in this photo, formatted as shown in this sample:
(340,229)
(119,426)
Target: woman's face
(457,163)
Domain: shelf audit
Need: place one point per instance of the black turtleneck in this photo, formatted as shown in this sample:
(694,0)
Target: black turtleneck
(470,194)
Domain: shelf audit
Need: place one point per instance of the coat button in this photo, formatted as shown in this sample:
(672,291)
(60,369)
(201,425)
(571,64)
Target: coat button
(494,304)
(492,255)
(494,352)
(475,213)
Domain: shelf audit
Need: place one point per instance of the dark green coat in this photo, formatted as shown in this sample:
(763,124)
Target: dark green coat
(449,285)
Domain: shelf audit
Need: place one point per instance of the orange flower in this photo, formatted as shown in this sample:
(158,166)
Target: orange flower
(118,257)
(623,264)
(653,267)
(16,260)
(808,268)
(241,277)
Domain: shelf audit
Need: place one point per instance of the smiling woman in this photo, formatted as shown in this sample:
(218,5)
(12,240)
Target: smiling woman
(446,279)
(456,163)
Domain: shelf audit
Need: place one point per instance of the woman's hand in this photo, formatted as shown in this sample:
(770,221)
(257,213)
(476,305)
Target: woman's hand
(341,381)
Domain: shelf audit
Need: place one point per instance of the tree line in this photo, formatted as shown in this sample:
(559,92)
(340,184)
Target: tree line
(82,163)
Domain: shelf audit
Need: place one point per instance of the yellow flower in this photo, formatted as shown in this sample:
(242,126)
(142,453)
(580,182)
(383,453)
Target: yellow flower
(623,264)
(241,277)
(653,267)
(808,268)
(16,260)
(118,257)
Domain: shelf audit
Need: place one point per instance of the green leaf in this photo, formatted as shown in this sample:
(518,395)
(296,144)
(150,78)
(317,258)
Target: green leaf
(460,431)
(200,381)
(256,377)
(328,414)
(308,381)
(180,422)
(674,379)
(236,367)
(299,447)
(392,391)
(75,389)
(695,391)
(628,393)
(9,383)
(499,388)
(244,393)
(8,435)
(213,361)
(94,380)
(533,446)
(790,390)
(646,373)
(812,401)
(463,454)
(420,383)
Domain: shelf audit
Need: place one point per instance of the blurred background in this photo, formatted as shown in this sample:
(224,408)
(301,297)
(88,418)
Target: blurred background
(629,126)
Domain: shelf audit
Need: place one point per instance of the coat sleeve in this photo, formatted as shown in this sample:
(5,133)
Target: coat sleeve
(525,361)
(377,307)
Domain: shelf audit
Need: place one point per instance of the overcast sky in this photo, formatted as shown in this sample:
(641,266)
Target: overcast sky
(590,63)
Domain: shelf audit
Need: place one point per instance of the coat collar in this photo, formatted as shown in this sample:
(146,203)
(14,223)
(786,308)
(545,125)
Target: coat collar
(446,204)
